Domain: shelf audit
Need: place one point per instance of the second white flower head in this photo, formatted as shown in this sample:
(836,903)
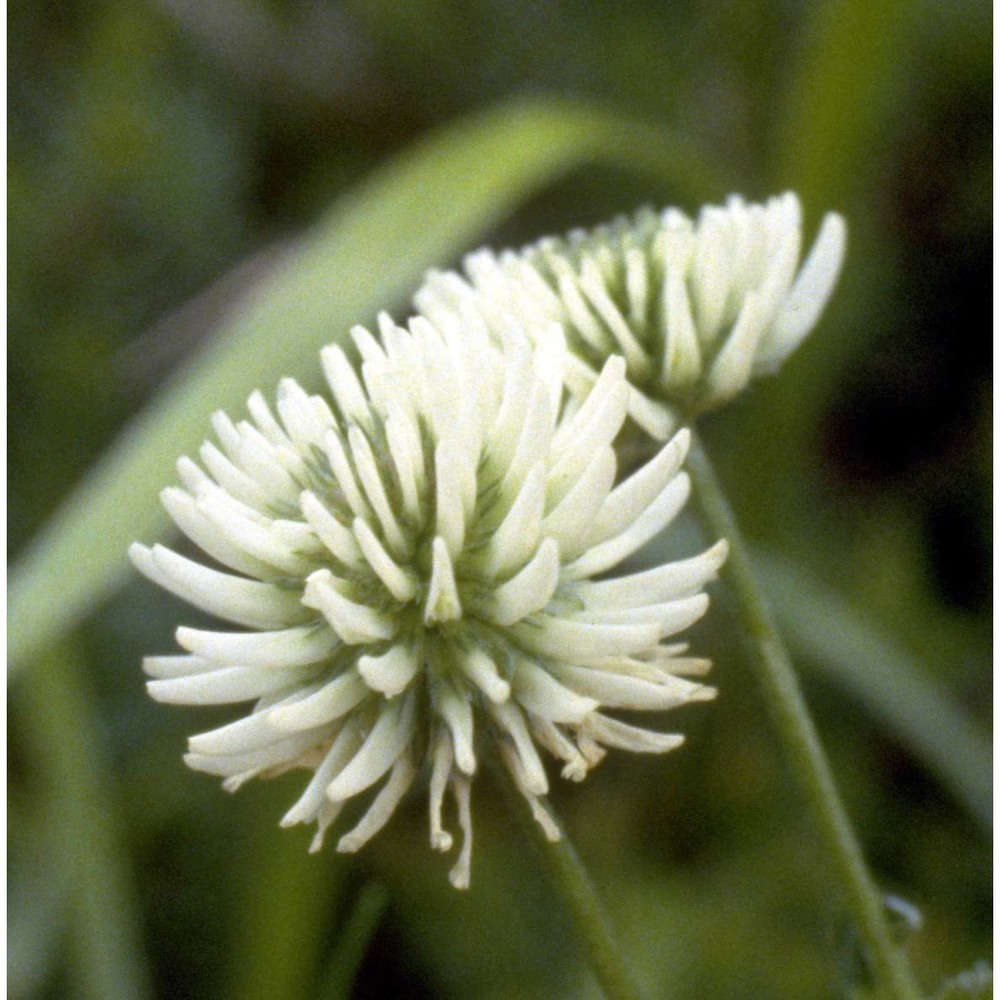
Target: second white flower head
(696,307)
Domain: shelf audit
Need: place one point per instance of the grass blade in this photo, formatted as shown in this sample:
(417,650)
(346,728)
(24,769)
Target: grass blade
(356,936)
(85,832)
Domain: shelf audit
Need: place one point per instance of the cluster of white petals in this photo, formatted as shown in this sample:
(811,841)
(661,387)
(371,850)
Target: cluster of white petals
(412,571)
(696,308)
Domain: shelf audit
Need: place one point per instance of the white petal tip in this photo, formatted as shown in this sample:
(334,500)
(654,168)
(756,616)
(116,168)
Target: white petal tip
(575,770)
(682,440)
(159,691)
(536,785)
(139,553)
(459,878)
(184,635)
(703,692)
(615,365)
(499,692)
(809,295)
(718,553)
(442,841)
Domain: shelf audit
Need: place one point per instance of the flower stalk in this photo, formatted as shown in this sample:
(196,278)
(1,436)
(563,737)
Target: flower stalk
(571,882)
(797,732)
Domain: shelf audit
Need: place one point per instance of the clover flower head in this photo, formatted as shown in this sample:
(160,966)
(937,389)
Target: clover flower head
(413,572)
(696,307)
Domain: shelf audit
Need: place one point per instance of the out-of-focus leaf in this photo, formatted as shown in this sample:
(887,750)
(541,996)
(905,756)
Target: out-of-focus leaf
(36,906)
(886,680)
(854,56)
(84,832)
(422,208)
(831,140)
(282,916)
(358,930)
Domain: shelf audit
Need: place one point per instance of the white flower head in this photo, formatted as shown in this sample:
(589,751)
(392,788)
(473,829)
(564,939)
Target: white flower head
(696,308)
(412,569)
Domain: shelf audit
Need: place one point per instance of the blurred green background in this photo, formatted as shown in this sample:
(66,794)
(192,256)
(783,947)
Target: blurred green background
(168,164)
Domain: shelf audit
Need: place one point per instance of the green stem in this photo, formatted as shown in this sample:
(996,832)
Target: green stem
(572,884)
(797,731)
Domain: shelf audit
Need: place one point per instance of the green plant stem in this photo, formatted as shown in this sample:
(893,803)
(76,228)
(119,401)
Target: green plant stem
(572,884)
(798,735)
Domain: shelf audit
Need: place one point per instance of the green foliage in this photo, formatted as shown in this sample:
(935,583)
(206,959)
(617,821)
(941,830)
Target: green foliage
(84,844)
